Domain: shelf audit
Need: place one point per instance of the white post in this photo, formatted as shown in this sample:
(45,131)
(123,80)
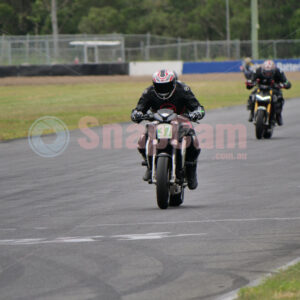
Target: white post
(54,28)
(275,49)
(85,54)
(207,49)
(27,48)
(179,48)
(47,52)
(238,48)
(96,55)
(254,29)
(147,56)
(9,52)
(195,51)
(2,48)
(227,29)
(123,49)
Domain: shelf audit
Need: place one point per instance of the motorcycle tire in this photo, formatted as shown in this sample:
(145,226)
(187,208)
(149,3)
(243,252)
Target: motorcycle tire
(259,127)
(162,182)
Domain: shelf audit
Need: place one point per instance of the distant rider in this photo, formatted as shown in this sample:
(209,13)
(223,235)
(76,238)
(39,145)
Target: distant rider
(168,92)
(247,68)
(268,74)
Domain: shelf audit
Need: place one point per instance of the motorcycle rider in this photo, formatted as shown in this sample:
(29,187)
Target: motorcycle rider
(247,68)
(269,74)
(168,92)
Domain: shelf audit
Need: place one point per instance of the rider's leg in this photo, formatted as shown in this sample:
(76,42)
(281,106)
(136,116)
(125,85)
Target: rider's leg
(278,108)
(250,106)
(142,151)
(192,153)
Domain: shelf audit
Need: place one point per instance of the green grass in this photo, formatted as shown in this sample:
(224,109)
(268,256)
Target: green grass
(111,102)
(284,285)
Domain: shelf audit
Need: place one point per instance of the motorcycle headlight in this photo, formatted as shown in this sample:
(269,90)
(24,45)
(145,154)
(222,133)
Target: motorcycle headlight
(263,98)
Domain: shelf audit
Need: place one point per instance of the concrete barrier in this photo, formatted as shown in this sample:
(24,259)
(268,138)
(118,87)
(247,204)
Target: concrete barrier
(149,67)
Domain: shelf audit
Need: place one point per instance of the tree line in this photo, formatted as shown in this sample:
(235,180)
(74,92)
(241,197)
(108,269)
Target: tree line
(190,19)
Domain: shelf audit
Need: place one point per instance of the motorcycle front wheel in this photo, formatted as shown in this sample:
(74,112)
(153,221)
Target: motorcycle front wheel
(162,182)
(259,127)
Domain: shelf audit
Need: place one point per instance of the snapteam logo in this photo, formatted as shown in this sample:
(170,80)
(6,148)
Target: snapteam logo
(48,124)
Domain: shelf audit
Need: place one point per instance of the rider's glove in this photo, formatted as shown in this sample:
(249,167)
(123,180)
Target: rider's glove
(196,115)
(136,116)
(249,84)
(287,85)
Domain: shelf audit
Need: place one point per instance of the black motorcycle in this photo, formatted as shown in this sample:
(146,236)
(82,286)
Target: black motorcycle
(168,136)
(264,116)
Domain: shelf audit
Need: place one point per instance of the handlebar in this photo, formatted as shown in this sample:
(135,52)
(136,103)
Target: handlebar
(150,117)
(273,85)
(278,86)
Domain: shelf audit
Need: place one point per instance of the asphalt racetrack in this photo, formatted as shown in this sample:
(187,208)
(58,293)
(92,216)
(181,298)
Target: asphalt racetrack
(84,225)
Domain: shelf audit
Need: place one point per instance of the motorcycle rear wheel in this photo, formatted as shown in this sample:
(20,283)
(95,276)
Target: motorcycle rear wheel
(162,182)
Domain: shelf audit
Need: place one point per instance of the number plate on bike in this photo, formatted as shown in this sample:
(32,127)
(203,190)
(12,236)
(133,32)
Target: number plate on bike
(164,131)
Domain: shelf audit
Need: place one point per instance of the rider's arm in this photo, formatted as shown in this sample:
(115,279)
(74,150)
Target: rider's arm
(248,72)
(142,107)
(284,81)
(252,80)
(192,103)
(144,102)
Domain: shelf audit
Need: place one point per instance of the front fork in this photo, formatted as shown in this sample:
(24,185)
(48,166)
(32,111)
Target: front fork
(172,156)
(267,109)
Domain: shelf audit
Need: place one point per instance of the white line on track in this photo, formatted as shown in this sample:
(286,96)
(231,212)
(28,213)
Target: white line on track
(172,222)
(196,221)
(153,236)
(95,238)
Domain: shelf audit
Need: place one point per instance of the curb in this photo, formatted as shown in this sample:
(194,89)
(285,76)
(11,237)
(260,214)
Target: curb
(233,294)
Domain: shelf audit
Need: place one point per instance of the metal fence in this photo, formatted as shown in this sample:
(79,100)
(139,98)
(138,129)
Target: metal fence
(23,50)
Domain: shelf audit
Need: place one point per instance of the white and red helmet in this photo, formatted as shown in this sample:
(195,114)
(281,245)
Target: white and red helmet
(268,68)
(164,82)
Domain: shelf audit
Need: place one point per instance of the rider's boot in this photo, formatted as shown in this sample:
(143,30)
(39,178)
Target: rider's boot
(279,119)
(148,174)
(191,174)
(251,116)
(279,106)
(250,106)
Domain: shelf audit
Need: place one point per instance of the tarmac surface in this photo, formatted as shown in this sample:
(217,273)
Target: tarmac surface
(83,225)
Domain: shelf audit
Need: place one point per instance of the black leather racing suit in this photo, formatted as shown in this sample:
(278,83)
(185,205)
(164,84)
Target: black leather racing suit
(275,81)
(248,71)
(182,101)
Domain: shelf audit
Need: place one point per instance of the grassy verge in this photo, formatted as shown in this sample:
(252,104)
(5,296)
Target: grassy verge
(284,285)
(108,102)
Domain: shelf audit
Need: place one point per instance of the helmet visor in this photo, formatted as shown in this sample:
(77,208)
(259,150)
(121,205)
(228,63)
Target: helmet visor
(164,88)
